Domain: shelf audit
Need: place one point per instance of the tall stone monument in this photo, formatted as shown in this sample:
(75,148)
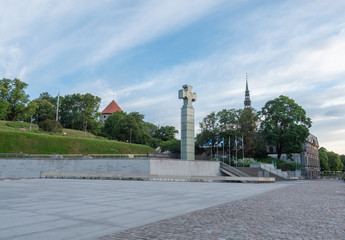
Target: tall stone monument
(187,122)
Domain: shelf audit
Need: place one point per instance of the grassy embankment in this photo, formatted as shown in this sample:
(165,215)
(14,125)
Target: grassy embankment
(17,138)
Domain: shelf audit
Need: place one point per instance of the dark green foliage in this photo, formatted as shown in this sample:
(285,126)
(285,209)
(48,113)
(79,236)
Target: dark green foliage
(233,123)
(45,110)
(13,99)
(80,112)
(330,161)
(342,159)
(284,124)
(334,162)
(50,125)
(131,127)
(127,128)
(165,133)
(45,107)
(173,146)
(323,157)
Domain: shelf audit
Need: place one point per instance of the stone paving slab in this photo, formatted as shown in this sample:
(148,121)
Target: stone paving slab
(309,210)
(88,209)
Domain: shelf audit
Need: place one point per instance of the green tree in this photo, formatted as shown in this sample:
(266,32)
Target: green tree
(284,124)
(342,159)
(165,133)
(173,146)
(334,162)
(127,127)
(45,110)
(3,103)
(323,157)
(30,110)
(248,129)
(13,93)
(46,96)
(80,112)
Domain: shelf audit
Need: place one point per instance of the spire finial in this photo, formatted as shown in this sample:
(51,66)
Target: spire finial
(247,101)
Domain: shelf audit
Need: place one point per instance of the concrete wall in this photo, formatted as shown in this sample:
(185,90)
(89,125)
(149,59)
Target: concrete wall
(31,168)
(184,168)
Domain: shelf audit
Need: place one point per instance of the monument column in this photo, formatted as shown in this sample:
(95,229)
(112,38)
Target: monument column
(187,122)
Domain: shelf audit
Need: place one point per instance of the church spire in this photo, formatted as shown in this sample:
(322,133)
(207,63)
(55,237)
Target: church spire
(247,101)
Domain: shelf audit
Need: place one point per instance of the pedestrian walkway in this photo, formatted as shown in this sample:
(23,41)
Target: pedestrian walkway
(311,210)
(89,209)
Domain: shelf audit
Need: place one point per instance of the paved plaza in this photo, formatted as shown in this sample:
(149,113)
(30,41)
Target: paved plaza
(88,209)
(311,210)
(99,209)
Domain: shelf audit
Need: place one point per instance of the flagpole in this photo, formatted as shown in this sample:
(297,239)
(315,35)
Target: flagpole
(223,149)
(236,147)
(242,148)
(229,151)
(211,150)
(217,150)
(57,107)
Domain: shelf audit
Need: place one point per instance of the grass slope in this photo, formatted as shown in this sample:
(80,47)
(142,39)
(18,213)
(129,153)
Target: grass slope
(16,141)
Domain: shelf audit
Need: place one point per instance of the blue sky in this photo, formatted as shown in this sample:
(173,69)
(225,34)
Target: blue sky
(144,51)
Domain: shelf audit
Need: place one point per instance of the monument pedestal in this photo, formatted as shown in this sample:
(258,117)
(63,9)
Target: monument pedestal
(187,123)
(187,133)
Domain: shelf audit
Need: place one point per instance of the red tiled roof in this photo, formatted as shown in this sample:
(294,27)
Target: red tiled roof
(111,108)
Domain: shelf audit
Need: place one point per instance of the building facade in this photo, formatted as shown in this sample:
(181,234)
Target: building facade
(308,158)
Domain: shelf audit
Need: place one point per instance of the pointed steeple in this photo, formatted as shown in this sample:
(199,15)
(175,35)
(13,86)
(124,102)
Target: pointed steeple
(247,101)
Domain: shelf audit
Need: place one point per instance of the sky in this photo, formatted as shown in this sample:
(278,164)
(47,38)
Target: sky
(141,52)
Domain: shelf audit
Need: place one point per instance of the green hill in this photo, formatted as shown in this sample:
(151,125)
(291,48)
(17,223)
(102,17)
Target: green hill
(16,137)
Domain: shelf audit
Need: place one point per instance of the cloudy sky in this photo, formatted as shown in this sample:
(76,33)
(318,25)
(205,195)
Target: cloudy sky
(142,52)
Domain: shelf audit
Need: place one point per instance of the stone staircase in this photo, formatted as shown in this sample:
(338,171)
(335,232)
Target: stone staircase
(259,172)
(232,171)
(271,169)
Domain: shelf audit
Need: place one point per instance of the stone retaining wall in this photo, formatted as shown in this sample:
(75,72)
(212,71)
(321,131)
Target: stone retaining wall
(32,168)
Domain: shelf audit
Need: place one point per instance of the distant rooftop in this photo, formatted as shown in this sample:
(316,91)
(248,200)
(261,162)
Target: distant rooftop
(111,108)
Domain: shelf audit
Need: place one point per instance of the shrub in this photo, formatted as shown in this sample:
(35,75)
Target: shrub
(50,125)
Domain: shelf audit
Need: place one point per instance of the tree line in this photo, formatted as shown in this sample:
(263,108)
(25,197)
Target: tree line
(281,123)
(80,112)
(331,161)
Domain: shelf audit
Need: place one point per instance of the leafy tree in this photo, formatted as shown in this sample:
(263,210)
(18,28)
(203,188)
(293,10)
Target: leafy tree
(229,120)
(30,110)
(111,126)
(248,129)
(342,159)
(173,146)
(231,123)
(165,133)
(13,93)
(127,127)
(284,124)
(323,157)
(45,110)
(223,124)
(3,103)
(46,96)
(80,112)
(334,162)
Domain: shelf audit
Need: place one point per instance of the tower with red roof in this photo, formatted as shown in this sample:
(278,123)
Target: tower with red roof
(109,110)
